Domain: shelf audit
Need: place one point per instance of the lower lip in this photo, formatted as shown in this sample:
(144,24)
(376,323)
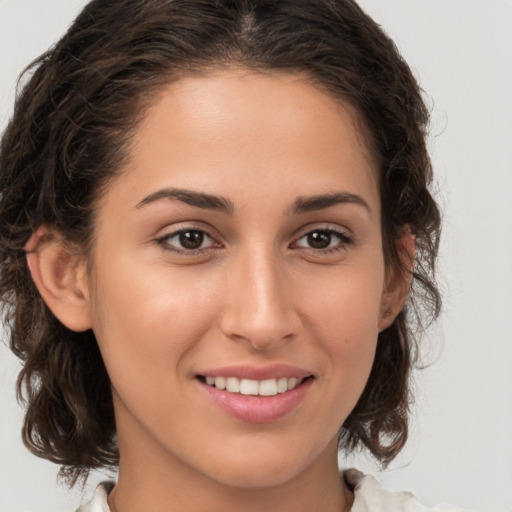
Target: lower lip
(258,409)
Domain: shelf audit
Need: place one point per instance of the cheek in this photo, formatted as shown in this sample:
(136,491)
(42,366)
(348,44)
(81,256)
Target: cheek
(343,316)
(346,303)
(146,324)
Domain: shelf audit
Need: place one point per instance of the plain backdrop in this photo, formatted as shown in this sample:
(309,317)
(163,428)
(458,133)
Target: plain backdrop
(461,444)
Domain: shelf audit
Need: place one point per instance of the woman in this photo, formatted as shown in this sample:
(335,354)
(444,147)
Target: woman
(213,214)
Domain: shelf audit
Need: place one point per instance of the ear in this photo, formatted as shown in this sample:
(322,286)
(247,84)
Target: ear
(61,278)
(398,282)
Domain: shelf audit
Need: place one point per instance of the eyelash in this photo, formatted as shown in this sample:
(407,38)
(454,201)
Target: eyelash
(344,240)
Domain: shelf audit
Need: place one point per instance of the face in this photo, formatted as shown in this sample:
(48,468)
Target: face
(240,247)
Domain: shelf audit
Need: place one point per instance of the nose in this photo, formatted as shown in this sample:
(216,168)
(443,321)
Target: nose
(258,302)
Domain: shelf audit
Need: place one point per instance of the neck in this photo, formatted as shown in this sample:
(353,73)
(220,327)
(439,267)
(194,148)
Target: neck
(146,486)
(261,468)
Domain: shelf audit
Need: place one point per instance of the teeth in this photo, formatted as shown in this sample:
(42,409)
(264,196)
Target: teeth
(268,387)
(233,385)
(292,382)
(248,387)
(282,385)
(220,383)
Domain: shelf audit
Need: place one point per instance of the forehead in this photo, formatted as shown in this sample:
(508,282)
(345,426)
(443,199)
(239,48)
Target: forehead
(238,126)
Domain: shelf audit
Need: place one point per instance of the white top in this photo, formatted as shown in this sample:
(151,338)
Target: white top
(369,496)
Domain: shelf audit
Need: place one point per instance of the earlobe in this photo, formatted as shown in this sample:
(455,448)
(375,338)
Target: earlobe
(60,278)
(398,282)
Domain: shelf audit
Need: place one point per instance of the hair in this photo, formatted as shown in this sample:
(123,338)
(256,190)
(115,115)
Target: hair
(69,137)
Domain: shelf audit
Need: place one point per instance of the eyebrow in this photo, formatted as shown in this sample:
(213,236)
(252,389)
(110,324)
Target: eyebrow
(198,199)
(218,203)
(319,202)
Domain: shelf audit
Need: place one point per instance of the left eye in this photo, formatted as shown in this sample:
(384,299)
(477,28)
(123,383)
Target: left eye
(322,239)
(188,240)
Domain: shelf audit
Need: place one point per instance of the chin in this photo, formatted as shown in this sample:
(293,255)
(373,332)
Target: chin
(259,471)
(256,477)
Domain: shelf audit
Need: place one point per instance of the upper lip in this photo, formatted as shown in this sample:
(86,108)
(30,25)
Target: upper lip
(273,371)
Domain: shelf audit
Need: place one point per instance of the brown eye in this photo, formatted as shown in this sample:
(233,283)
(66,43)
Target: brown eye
(324,240)
(319,239)
(187,241)
(191,239)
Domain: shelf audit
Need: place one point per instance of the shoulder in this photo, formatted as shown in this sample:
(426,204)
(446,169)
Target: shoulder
(370,496)
(99,500)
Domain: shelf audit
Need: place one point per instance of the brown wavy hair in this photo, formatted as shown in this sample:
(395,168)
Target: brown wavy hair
(79,104)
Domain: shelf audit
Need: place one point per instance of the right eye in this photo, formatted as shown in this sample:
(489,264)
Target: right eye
(189,241)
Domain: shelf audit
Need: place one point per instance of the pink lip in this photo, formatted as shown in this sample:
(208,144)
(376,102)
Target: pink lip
(273,371)
(257,409)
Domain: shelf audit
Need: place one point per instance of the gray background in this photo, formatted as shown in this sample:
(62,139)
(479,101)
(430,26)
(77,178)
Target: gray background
(461,444)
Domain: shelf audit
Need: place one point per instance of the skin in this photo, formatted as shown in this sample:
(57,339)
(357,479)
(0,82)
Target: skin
(255,293)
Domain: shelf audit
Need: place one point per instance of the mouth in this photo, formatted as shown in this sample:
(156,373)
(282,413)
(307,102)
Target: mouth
(252,387)
(257,394)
